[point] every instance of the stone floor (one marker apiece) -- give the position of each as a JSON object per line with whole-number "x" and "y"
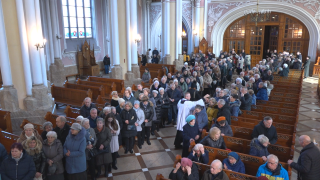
{"x": 147, "y": 162}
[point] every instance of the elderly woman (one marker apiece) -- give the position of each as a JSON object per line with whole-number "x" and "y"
{"x": 185, "y": 170}
{"x": 33, "y": 147}
{"x": 223, "y": 125}
{"x": 262, "y": 92}
{"x": 284, "y": 71}
{"x": 18, "y": 165}
{"x": 103, "y": 146}
{"x": 199, "y": 154}
{"x": 183, "y": 85}
{"x": 91, "y": 140}
{"x": 47, "y": 126}
{"x": 155, "y": 86}
{"x": 53, "y": 150}
{"x": 74, "y": 150}
{"x": 259, "y": 147}
{"x": 190, "y": 133}
{"x": 147, "y": 92}
{"x": 156, "y": 123}
{"x": 115, "y": 98}
{"x": 138, "y": 124}
{"x": 28, "y": 132}
{"x": 105, "y": 112}
{"x": 164, "y": 103}
{"x": 147, "y": 108}
{"x": 212, "y": 111}
{"x": 120, "y": 107}
{"x": 234, "y": 163}
{"x": 113, "y": 125}
{"x": 79, "y": 119}
{"x": 214, "y": 139}
{"x": 129, "y": 131}
{"x": 269, "y": 87}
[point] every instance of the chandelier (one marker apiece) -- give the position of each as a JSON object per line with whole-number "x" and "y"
{"x": 258, "y": 16}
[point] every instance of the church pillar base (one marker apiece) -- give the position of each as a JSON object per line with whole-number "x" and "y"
{"x": 130, "y": 76}
{"x": 57, "y": 73}
{"x": 136, "y": 71}
{"x": 9, "y": 99}
{"x": 167, "y": 59}
{"x": 179, "y": 63}
{"x": 116, "y": 72}
{"x": 42, "y": 97}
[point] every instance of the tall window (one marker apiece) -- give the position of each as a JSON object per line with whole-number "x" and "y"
{"x": 238, "y": 29}
{"x": 292, "y": 29}
{"x": 77, "y": 17}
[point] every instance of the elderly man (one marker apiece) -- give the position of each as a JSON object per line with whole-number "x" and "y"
{"x": 62, "y": 129}
{"x": 93, "y": 118}
{"x": 246, "y": 99}
{"x": 137, "y": 92}
{"x": 259, "y": 147}
{"x": 272, "y": 169}
{"x": 268, "y": 76}
{"x": 85, "y": 109}
{"x": 224, "y": 110}
{"x": 262, "y": 92}
{"x": 265, "y": 127}
{"x": 174, "y": 97}
{"x": 215, "y": 172}
{"x": 308, "y": 166}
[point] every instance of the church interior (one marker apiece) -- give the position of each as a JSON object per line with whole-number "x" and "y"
{"x": 53, "y": 56}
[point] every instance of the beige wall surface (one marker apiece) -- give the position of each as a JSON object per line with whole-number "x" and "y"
{"x": 172, "y": 19}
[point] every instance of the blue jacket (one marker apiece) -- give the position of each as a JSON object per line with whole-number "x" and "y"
{"x": 278, "y": 175}
{"x": 257, "y": 149}
{"x": 204, "y": 158}
{"x": 3, "y": 153}
{"x": 202, "y": 118}
{"x": 235, "y": 107}
{"x": 76, "y": 162}
{"x": 237, "y": 167}
{"x": 93, "y": 122}
{"x": 25, "y": 170}
{"x": 254, "y": 99}
{"x": 262, "y": 94}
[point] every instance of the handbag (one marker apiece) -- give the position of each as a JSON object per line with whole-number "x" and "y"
{"x": 94, "y": 151}
{"x": 131, "y": 127}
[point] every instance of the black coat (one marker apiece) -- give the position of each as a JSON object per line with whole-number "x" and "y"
{"x": 104, "y": 137}
{"x": 266, "y": 77}
{"x": 62, "y": 133}
{"x": 225, "y": 111}
{"x": 174, "y": 94}
{"x": 23, "y": 170}
{"x": 3, "y": 153}
{"x": 131, "y": 116}
{"x": 284, "y": 72}
{"x": 148, "y": 111}
{"x": 194, "y": 95}
{"x": 246, "y": 102}
{"x": 180, "y": 175}
{"x": 257, "y": 149}
{"x": 271, "y": 132}
{"x": 114, "y": 103}
{"x": 85, "y": 111}
{"x": 207, "y": 141}
{"x": 106, "y": 61}
{"x": 158, "y": 108}
{"x": 308, "y": 166}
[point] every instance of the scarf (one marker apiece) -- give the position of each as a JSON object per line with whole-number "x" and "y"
{"x": 17, "y": 159}
{"x": 116, "y": 99}
{"x": 276, "y": 171}
{"x": 99, "y": 129}
{"x": 29, "y": 136}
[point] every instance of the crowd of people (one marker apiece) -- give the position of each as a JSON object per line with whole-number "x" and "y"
{"x": 194, "y": 99}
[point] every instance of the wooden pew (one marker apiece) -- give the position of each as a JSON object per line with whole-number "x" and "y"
{"x": 37, "y": 127}
{"x": 154, "y": 73}
{"x": 108, "y": 87}
{"x": 283, "y": 99}
{"x": 5, "y": 121}
{"x": 96, "y": 91}
{"x": 286, "y": 95}
{"x": 171, "y": 68}
{"x": 102, "y": 100}
{"x": 285, "y": 90}
{"x": 274, "y": 110}
{"x": 52, "y": 118}
{"x": 119, "y": 83}
{"x": 7, "y": 139}
{"x": 68, "y": 96}
{"x": 277, "y": 104}
{"x": 275, "y": 117}
{"x": 72, "y": 112}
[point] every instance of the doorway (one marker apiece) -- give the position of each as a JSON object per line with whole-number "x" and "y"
{"x": 270, "y": 39}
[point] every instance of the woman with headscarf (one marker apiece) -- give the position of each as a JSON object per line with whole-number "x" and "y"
{"x": 190, "y": 133}
{"x": 186, "y": 170}
{"x": 214, "y": 139}
{"x": 234, "y": 163}
{"x": 28, "y": 132}
{"x": 47, "y": 126}
{"x": 155, "y": 86}
{"x": 114, "y": 127}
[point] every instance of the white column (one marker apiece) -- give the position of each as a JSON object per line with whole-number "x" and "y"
{"x": 114, "y": 32}
{"x": 128, "y": 30}
{"x": 197, "y": 23}
{"x": 55, "y": 29}
{"x": 33, "y": 39}
{"x": 178, "y": 28}
{"x": 134, "y": 31}
{"x": 24, "y": 47}
{"x": 205, "y": 16}
{"x": 50, "y": 32}
{"x": 4, "y": 55}
{"x": 148, "y": 25}
{"x": 166, "y": 26}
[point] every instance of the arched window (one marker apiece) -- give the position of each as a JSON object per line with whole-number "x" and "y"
{"x": 77, "y": 18}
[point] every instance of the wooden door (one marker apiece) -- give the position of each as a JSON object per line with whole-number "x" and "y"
{"x": 256, "y": 43}
{"x": 237, "y": 45}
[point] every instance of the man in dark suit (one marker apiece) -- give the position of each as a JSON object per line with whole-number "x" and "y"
{"x": 174, "y": 97}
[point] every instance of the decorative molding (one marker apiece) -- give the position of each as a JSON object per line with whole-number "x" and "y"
{"x": 155, "y": 12}
{"x": 313, "y": 5}
{"x": 187, "y": 12}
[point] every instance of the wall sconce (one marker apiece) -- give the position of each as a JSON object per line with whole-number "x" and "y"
{"x": 138, "y": 38}
{"x": 38, "y": 45}
{"x": 58, "y": 37}
{"x": 183, "y": 34}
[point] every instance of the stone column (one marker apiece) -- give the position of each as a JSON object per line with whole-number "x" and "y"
{"x": 8, "y": 94}
{"x": 166, "y": 31}
{"x": 148, "y": 25}
{"x": 205, "y": 16}
{"x": 178, "y": 28}
{"x": 116, "y": 70}
{"x": 134, "y": 32}
{"x": 129, "y": 74}
{"x": 197, "y": 23}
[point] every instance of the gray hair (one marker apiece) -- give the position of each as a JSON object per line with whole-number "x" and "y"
{"x": 257, "y": 75}
{"x": 87, "y": 98}
{"x": 222, "y": 101}
{"x": 263, "y": 139}
{"x": 62, "y": 118}
{"x": 47, "y": 124}
{"x": 239, "y": 80}
{"x": 218, "y": 89}
{"x": 107, "y": 109}
{"x": 219, "y": 162}
{"x": 252, "y": 79}
{"x": 197, "y": 147}
{"x": 93, "y": 110}
{"x": 267, "y": 118}
{"x": 272, "y": 156}
{"x": 233, "y": 85}
{"x": 84, "y": 120}
{"x": 262, "y": 84}
{"x": 100, "y": 119}
{"x": 112, "y": 108}
{"x": 52, "y": 134}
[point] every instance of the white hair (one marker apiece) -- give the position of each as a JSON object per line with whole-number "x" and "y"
{"x": 52, "y": 134}
{"x": 161, "y": 89}
{"x": 218, "y": 89}
{"x": 106, "y": 109}
{"x": 272, "y": 156}
{"x": 239, "y": 80}
{"x": 257, "y": 75}
{"x": 87, "y": 98}
{"x": 222, "y": 101}
{"x": 218, "y": 162}
{"x": 263, "y": 139}
{"x": 197, "y": 147}
{"x": 233, "y": 85}
{"x": 252, "y": 79}
{"x": 84, "y": 120}
{"x": 175, "y": 80}
{"x": 285, "y": 65}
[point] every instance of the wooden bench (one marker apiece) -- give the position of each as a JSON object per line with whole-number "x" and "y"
{"x": 283, "y": 99}
{"x": 7, "y": 139}
{"x": 101, "y": 100}
{"x": 37, "y": 127}
{"x": 96, "y": 91}
{"x": 275, "y": 117}
{"x": 285, "y": 90}
{"x": 68, "y": 96}
{"x": 274, "y": 110}
{"x": 5, "y": 121}
{"x": 277, "y": 104}
{"x": 154, "y": 73}
{"x": 286, "y": 95}
{"x": 52, "y": 118}
{"x": 119, "y": 83}
{"x": 72, "y": 112}
{"x": 171, "y": 68}
{"x": 71, "y": 75}
{"x": 108, "y": 87}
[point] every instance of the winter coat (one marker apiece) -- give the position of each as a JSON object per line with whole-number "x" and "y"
{"x": 114, "y": 102}
{"x": 132, "y": 99}
{"x": 93, "y": 122}
{"x": 154, "y": 88}
{"x": 180, "y": 175}
{"x": 148, "y": 113}
{"x": 184, "y": 87}
{"x": 85, "y": 111}
{"x": 189, "y": 132}
{"x": 164, "y": 102}
{"x": 90, "y": 136}
{"x": 24, "y": 169}
{"x": 267, "y": 77}
{"x": 297, "y": 65}
{"x": 207, "y": 80}
{"x": 76, "y": 144}
{"x": 157, "y": 107}
{"x": 146, "y": 77}
{"x": 3, "y": 153}
{"x": 308, "y": 163}
{"x": 226, "y": 129}
{"x": 114, "y": 144}
{"x": 174, "y": 94}
{"x": 235, "y": 107}
{"x": 104, "y": 137}
{"x": 257, "y": 149}
{"x": 271, "y": 132}
{"x": 119, "y": 109}
{"x": 202, "y": 118}
{"x": 207, "y": 141}
{"x": 237, "y": 167}
{"x": 284, "y": 72}
{"x": 62, "y": 133}
{"x": 194, "y": 95}
{"x": 279, "y": 174}
{"x": 106, "y": 60}
{"x": 23, "y": 137}
{"x": 212, "y": 113}
{"x": 54, "y": 152}
{"x": 136, "y": 94}
{"x": 153, "y": 103}
{"x": 225, "y": 111}
{"x": 262, "y": 94}
{"x": 203, "y": 158}
{"x": 140, "y": 118}
{"x": 163, "y": 85}
{"x": 37, "y": 155}
{"x": 207, "y": 175}
{"x": 131, "y": 116}
{"x": 306, "y": 65}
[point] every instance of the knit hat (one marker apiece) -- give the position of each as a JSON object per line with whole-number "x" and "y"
{"x": 234, "y": 155}
{"x": 121, "y": 100}
{"x": 28, "y": 126}
{"x": 155, "y": 91}
{"x": 76, "y": 126}
{"x": 186, "y": 162}
{"x": 190, "y": 118}
{"x": 136, "y": 102}
{"x": 221, "y": 118}
{"x": 262, "y": 178}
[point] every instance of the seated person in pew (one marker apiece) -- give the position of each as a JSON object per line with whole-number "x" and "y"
{"x": 272, "y": 169}
{"x": 28, "y": 131}
{"x": 190, "y": 133}
{"x": 93, "y": 117}
{"x": 266, "y": 128}
{"x": 215, "y": 172}
{"x": 259, "y": 147}
{"x": 47, "y": 126}
{"x": 223, "y": 125}
{"x": 146, "y": 76}
{"x": 284, "y": 72}
{"x": 234, "y": 163}
{"x": 234, "y": 105}
{"x": 199, "y": 154}
{"x": 262, "y": 92}
{"x": 186, "y": 170}
{"x": 246, "y": 99}
{"x": 85, "y": 109}
{"x": 254, "y": 98}
{"x": 214, "y": 139}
